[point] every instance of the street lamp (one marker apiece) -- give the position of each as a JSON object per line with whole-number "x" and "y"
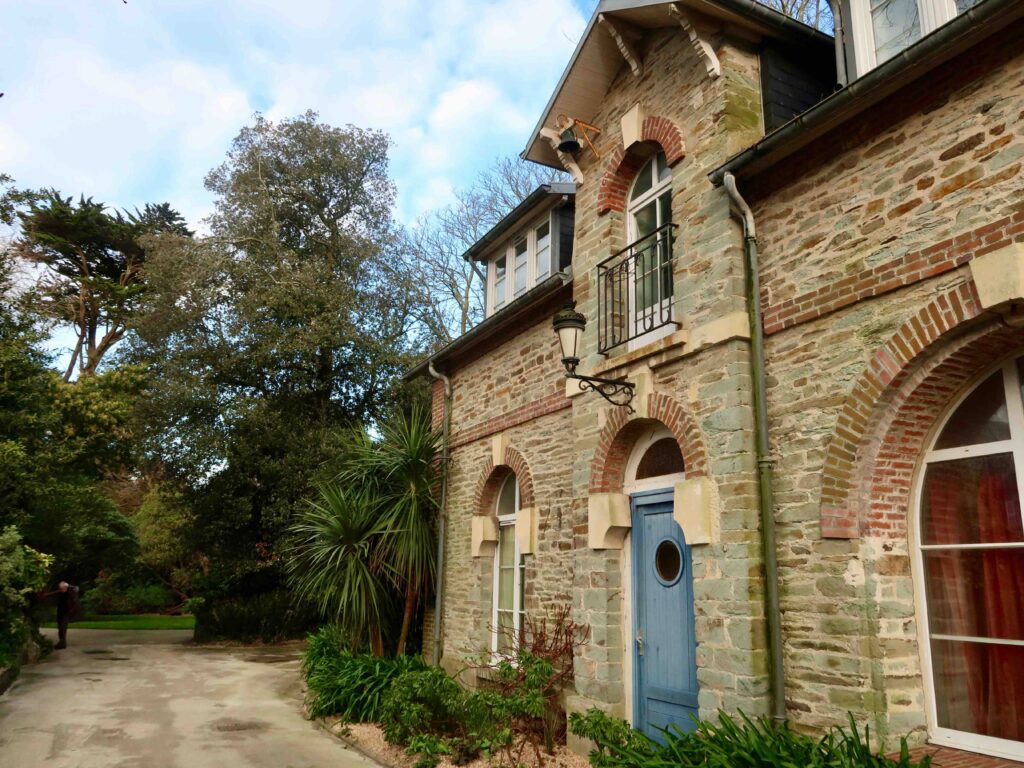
{"x": 569, "y": 326}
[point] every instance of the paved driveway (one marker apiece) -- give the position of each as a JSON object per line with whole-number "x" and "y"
{"x": 127, "y": 699}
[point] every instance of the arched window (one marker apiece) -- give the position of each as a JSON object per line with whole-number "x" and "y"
{"x": 970, "y": 560}
{"x": 656, "y": 461}
{"x": 648, "y": 220}
{"x": 509, "y": 571}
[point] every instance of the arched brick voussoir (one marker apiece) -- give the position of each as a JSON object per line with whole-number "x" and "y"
{"x": 493, "y": 476}
{"x": 624, "y": 162}
{"x": 607, "y": 472}
{"x": 885, "y": 371}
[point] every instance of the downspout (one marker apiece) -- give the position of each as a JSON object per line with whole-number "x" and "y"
{"x": 442, "y": 518}
{"x": 839, "y": 35}
{"x": 765, "y": 469}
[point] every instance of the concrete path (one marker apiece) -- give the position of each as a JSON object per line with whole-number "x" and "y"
{"x": 120, "y": 699}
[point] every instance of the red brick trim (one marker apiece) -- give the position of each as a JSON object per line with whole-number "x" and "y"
{"x": 626, "y": 161}
{"x": 492, "y": 477}
{"x": 607, "y": 473}
{"x": 542, "y": 407}
{"x": 886, "y": 369}
{"x": 894, "y": 274}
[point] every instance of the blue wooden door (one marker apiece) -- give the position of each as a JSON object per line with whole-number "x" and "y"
{"x": 664, "y": 646}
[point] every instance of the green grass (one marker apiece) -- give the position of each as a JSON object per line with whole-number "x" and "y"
{"x": 131, "y": 621}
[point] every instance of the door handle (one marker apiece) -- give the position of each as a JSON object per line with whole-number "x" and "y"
{"x": 639, "y": 643}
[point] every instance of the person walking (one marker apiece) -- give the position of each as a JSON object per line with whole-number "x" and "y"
{"x": 67, "y": 601}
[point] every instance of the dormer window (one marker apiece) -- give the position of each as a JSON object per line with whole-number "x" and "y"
{"x": 529, "y": 255}
{"x": 884, "y": 28}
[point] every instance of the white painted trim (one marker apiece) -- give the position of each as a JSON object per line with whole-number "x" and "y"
{"x": 658, "y": 188}
{"x": 630, "y": 484}
{"x": 508, "y": 522}
{"x": 508, "y": 252}
{"x": 932, "y": 14}
{"x": 626, "y": 562}
{"x": 973, "y": 639}
{"x": 1015, "y": 410}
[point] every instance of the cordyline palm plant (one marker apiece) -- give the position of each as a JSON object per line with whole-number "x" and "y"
{"x": 402, "y": 472}
{"x": 337, "y": 562}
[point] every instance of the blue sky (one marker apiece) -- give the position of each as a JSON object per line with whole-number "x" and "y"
{"x": 134, "y": 102}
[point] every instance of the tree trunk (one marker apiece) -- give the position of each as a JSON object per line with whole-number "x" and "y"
{"x": 376, "y": 641}
{"x": 410, "y": 605}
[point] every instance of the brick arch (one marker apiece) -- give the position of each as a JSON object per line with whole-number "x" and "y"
{"x": 607, "y": 473}
{"x": 493, "y": 476}
{"x": 874, "y": 396}
{"x": 624, "y": 162}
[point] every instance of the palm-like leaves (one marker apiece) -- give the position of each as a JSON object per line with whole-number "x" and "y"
{"x": 336, "y": 560}
{"x": 403, "y": 472}
{"x": 372, "y": 533}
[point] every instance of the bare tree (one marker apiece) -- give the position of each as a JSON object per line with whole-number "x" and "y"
{"x": 452, "y": 295}
{"x": 814, "y": 13}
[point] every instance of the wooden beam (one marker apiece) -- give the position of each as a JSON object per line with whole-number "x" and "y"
{"x": 624, "y": 35}
{"x": 700, "y": 45}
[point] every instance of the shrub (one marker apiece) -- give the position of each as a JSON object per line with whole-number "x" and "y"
{"x": 352, "y": 686}
{"x": 113, "y": 595}
{"x": 428, "y": 701}
{"x": 728, "y": 744}
{"x": 22, "y": 572}
{"x": 269, "y": 617}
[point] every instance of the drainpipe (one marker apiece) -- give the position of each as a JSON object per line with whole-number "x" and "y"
{"x": 839, "y": 35}
{"x": 765, "y": 471}
{"x": 442, "y": 518}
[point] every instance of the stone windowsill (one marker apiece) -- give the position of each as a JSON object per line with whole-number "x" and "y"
{"x": 668, "y": 347}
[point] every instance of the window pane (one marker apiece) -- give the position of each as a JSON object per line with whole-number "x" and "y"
{"x": 499, "y": 282}
{"x": 521, "y": 265}
{"x": 665, "y": 244}
{"x": 507, "y": 497}
{"x": 505, "y": 632}
{"x": 896, "y": 24}
{"x": 661, "y": 163}
{"x": 981, "y": 418}
{"x": 644, "y": 180}
{"x": 965, "y": 5}
{"x": 979, "y": 687}
{"x": 971, "y": 501}
{"x": 662, "y": 458}
{"x": 543, "y": 251}
{"x": 975, "y": 592}
{"x": 506, "y": 547}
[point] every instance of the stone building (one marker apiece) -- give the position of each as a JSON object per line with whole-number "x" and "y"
{"x": 810, "y": 505}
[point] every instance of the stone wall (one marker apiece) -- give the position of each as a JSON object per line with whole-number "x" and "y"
{"x": 863, "y": 240}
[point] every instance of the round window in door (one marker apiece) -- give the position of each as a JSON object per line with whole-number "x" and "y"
{"x": 668, "y": 562}
{"x": 970, "y": 542}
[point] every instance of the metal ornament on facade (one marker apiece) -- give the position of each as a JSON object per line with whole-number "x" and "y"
{"x": 569, "y": 326}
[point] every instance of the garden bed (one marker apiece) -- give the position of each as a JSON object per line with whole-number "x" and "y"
{"x": 368, "y": 738}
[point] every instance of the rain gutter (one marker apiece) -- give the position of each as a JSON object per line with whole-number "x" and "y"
{"x": 939, "y": 46}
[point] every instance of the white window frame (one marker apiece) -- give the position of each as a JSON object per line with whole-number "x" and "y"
{"x": 530, "y": 232}
{"x": 632, "y": 206}
{"x": 507, "y": 522}
{"x": 1015, "y": 409}
{"x": 644, "y": 442}
{"x": 931, "y": 13}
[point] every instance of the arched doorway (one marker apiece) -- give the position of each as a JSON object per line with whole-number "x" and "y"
{"x": 969, "y": 567}
{"x": 659, "y": 568}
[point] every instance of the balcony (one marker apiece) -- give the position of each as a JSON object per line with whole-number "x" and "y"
{"x": 634, "y": 291}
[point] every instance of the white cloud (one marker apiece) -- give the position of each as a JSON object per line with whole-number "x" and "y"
{"x": 135, "y": 103}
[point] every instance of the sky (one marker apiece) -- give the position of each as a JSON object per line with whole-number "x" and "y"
{"x": 134, "y": 102}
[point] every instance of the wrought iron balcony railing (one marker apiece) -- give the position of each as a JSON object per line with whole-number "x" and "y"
{"x": 634, "y": 290}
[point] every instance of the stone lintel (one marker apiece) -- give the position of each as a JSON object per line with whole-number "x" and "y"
{"x": 499, "y": 443}
{"x": 484, "y": 535}
{"x": 696, "y": 508}
{"x": 999, "y": 276}
{"x": 608, "y": 520}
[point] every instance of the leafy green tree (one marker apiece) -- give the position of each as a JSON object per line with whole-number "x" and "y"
{"x": 91, "y": 261}
{"x": 290, "y": 320}
{"x": 23, "y": 571}
{"x": 162, "y": 525}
